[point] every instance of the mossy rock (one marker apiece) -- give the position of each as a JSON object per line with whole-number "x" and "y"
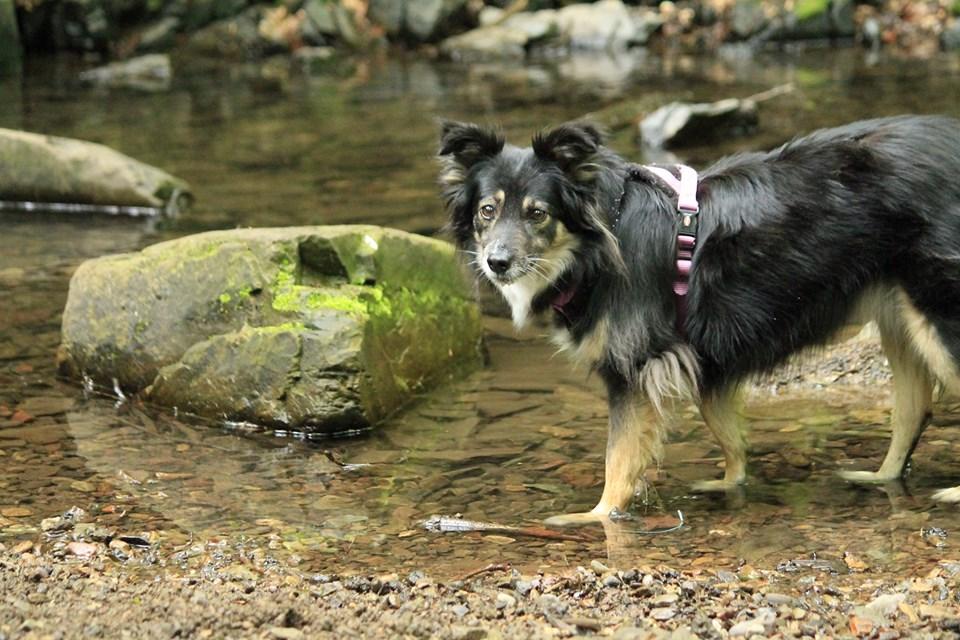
{"x": 322, "y": 329}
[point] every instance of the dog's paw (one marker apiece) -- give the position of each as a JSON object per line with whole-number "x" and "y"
{"x": 948, "y": 495}
{"x": 866, "y": 477}
{"x": 717, "y": 486}
{"x": 571, "y": 519}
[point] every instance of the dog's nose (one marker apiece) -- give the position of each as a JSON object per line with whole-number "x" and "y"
{"x": 498, "y": 262}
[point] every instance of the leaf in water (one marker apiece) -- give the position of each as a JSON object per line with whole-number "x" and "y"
{"x": 854, "y": 563}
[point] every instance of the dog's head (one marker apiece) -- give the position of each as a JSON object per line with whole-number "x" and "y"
{"x": 522, "y": 214}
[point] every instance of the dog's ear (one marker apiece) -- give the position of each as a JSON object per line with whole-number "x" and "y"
{"x": 461, "y": 147}
{"x": 572, "y": 146}
{"x": 469, "y": 143}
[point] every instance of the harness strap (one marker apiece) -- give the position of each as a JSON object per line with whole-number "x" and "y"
{"x": 688, "y": 209}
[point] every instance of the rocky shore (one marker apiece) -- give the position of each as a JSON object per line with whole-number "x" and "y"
{"x": 233, "y": 594}
{"x": 467, "y": 30}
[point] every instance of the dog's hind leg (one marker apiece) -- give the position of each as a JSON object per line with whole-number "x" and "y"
{"x": 912, "y": 399}
{"x": 634, "y": 440}
{"x": 720, "y": 410}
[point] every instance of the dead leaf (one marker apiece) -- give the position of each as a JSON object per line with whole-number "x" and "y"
{"x": 854, "y": 563}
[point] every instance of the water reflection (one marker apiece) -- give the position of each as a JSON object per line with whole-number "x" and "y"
{"x": 508, "y": 445}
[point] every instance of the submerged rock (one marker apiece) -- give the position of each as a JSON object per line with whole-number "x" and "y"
{"x": 680, "y": 123}
{"x": 39, "y": 168}
{"x": 151, "y": 72}
{"x": 311, "y": 328}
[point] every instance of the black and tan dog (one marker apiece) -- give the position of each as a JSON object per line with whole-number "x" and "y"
{"x": 844, "y": 225}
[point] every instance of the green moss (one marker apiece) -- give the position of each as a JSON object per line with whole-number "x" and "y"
{"x": 809, "y": 8}
{"x": 321, "y": 300}
{"x": 225, "y": 298}
{"x": 295, "y": 298}
{"x": 409, "y": 334}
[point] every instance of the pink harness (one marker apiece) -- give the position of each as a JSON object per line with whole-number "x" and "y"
{"x": 688, "y": 208}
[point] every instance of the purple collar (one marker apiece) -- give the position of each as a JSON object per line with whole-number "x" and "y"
{"x": 562, "y": 300}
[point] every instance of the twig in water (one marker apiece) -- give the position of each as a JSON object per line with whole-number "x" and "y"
{"x": 448, "y": 524}
{"x": 490, "y": 568}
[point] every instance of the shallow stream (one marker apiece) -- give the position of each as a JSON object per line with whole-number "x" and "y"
{"x": 515, "y": 443}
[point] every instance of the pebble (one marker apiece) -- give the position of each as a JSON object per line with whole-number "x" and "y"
{"x": 612, "y": 581}
{"x": 665, "y": 599}
{"x": 551, "y": 604}
{"x": 777, "y": 599}
{"x": 598, "y": 567}
{"x": 524, "y": 587}
{"x": 505, "y": 600}
{"x": 286, "y": 633}
{"x": 459, "y": 632}
{"x": 664, "y": 613}
{"x": 747, "y": 628}
{"x": 82, "y": 549}
{"x": 460, "y": 610}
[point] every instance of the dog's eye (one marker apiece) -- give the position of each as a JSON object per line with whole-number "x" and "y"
{"x": 487, "y": 211}
{"x": 536, "y": 215}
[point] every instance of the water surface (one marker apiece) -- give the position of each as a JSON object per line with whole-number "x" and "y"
{"x": 515, "y": 443}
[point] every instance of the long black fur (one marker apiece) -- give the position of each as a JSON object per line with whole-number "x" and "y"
{"x": 789, "y": 239}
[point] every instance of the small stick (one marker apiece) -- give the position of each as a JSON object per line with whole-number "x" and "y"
{"x": 772, "y": 93}
{"x": 490, "y": 568}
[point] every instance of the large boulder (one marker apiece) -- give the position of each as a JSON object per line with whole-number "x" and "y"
{"x": 39, "y": 168}
{"x": 321, "y": 329}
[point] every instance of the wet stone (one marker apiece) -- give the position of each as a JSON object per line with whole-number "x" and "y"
{"x": 46, "y": 406}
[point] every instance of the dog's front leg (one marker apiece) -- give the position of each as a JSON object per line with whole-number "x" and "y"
{"x": 634, "y": 440}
